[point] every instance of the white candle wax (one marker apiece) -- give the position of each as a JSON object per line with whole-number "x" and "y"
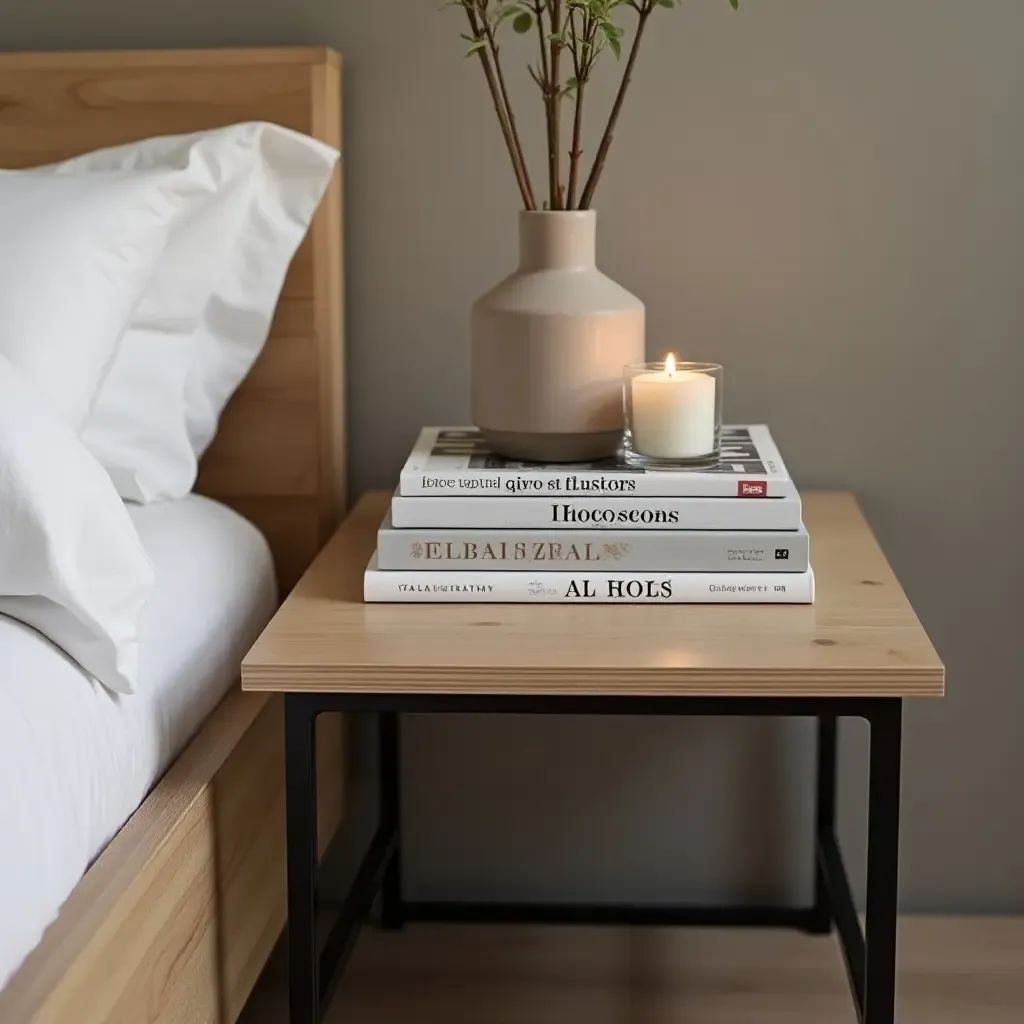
{"x": 674, "y": 414}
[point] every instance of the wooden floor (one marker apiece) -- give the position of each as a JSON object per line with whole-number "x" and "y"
{"x": 952, "y": 971}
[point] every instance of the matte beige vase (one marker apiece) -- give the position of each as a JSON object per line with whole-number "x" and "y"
{"x": 549, "y": 344}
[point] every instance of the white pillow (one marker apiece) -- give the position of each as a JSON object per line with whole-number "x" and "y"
{"x": 251, "y": 190}
{"x": 71, "y": 563}
{"x": 75, "y": 255}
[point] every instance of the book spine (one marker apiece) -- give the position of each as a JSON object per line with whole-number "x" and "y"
{"x": 509, "y": 483}
{"x": 589, "y": 588}
{"x": 592, "y": 550}
{"x": 595, "y": 513}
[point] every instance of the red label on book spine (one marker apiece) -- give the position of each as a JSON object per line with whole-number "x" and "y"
{"x": 752, "y": 489}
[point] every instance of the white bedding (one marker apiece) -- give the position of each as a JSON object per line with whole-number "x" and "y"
{"x": 77, "y": 760}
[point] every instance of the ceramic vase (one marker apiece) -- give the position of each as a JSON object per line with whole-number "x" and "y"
{"x": 549, "y": 344}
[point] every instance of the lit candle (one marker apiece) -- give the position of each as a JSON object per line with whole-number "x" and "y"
{"x": 673, "y": 413}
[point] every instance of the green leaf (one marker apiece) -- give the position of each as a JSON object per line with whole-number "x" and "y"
{"x": 735, "y": 4}
{"x": 506, "y": 12}
{"x": 673, "y": 3}
{"x": 614, "y": 36}
{"x": 475, "y": 47}
{"x": 523, "y": 22}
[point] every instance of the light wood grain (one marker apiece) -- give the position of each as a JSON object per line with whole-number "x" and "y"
{"x": 279, "y": 451}
{"x": 952, "y": 971}
{"x": 174, "y": 921}
{"x": 110, "y": 60}
{"x": 328, "y": 314}
{"x": 860, "y": 638}
{"x": 177, "y": 917}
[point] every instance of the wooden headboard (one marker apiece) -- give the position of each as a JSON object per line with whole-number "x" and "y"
{"x": 279, "y": 454}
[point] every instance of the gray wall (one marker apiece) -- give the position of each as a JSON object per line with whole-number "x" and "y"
{"x": 826, "y": 196}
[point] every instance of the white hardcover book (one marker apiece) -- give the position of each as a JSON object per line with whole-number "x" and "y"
{"x": 584, "y": 550}
{"x": 456, "y": 461}
{"x": 588, "y": 587}
{"x": 595, "y": 513}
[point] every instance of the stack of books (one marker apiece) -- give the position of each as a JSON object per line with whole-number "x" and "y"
{"x": 469, "y": 526}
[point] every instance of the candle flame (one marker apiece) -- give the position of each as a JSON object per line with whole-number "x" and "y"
{"x": 670, "y": 364}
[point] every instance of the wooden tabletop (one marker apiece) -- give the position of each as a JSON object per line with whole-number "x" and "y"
{"x": 861, "y": 638}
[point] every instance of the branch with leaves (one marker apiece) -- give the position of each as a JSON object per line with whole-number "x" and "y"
{"x": 581, "y": 31}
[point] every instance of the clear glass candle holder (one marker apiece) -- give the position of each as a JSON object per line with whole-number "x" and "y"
{"x": 673, "y": 413}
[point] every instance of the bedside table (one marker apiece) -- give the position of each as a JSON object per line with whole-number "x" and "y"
{"x": 858, "y": 652}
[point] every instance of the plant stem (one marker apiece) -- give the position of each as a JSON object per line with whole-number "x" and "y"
{"x": 503, "y": 117}
{"x": 606, "y": 140}
{"x": 545, "y": 83}
{"x": 538, "y": 12}
{"x": 555, "y": 108}
{"x": 528, "y": 197}
{"x": 576, "y": 153}
{"x": 581, "y": 49}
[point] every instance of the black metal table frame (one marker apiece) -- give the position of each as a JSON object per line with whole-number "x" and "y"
{"x": 870, "y": 955}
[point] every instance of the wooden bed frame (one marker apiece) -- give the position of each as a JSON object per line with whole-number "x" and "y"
{"x": 175, "y": 920}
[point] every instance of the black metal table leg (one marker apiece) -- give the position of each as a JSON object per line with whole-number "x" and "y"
{"x": 871, "y": 964}
{"x": 303, "y": 862}
{"x": 392, "y": 916}
{"x": 825, "y": 821}
{"x": 883, "y": 862}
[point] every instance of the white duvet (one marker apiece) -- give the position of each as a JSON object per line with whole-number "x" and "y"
{"x": 75, "y": 759}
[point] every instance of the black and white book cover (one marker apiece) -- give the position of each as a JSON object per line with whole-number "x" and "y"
{"x": 456, "y": 462}
{"x": 588, "y": 587}
{"x": 570, "y": 512}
